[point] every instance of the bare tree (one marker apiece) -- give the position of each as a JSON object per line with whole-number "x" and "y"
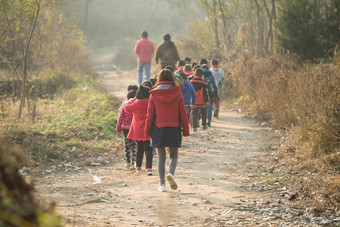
{"x": 25, "y": 55}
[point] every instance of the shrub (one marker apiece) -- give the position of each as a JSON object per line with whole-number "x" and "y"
{"x": 17, "y": 204}
{"x": 78, "y": 117}
{"x": 293, "y": 94}
{"x": 304, "y": 100}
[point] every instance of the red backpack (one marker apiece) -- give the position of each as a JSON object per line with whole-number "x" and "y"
{"x": 200, "y": 97}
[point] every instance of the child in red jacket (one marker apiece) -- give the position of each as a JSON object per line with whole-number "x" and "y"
{"x": 139, "y": 110}
{"x": 166, "y": 115}
{"x": 124, "y": 124}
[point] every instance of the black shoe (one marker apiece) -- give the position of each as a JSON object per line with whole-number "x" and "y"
{"x": 209, "y": 124}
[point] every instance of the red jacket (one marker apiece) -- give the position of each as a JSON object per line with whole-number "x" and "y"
{"x": 139, "y": 109}
{"x": 168, "y": 106}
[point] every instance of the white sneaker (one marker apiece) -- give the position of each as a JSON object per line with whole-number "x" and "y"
{"x": 172, "y": 182}
{"x": 162, "y": 188}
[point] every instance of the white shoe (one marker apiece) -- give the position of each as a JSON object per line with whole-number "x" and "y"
{"x": 172, "y": 182}
{"x": 162, "y": 188}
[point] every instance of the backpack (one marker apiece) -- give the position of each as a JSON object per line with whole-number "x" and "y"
{"x": 200, "y": 97}
{"x": 210, "y": 86}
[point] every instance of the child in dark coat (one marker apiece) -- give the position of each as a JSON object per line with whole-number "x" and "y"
{"x": 202, "y": 100}
{"x": 212, "y": 90}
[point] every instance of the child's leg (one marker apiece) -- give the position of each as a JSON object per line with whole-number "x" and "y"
{"x": 173, "y": 160}
{"x": 127, "y": 146}
{"x": 187, "y": 109}
{"x": 194, "y": 117}
{"x": 140, "y": 153}
{"x": 133, "y": 151}
{"x": 148, "y": 154}
{"x": 204, "y": 116}
{"x": 217, "y": 104}
{"x": 209, "y": 112}
{"x": 161, "y": 164}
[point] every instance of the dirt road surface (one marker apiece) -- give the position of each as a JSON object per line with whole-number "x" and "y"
{"x": 213, "y": 165}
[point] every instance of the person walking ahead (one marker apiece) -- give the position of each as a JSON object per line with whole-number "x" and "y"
{"x": 167, "y": 52}
{"x": 139, "y": 110}
{"x": 144, "y": 49}
{"x": 165, "y": 117}
{"x": 202, "y": 100}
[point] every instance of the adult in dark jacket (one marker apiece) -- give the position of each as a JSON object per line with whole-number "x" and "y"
{"x": 167, "y": 52}
{"x": 165, "y": 117}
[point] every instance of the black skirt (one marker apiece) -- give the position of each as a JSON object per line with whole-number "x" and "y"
{"x": 166, "y": 136}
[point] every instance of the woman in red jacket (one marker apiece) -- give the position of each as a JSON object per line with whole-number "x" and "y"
{"x": 165, "y": 118}
{"x": 139, "y": 110}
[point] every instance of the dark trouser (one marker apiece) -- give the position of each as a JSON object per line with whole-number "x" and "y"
{"x": 217, "y": 105}
{"x": 161, "y": 162}
{"x": 141, "y": 147}
{"x": 209, "y": 111}
{"x": 188, "y": 109}
{"x": 130, "y": 148}
{"x": 194, "y": 115}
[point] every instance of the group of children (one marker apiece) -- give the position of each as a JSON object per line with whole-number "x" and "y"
{"x": 156, "y": 113}
{"x": 204, "y": 84}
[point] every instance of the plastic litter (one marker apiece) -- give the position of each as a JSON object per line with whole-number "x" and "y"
{"x": 97, "y": 180}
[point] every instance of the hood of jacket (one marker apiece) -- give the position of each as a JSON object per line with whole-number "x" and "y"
{"x": 206, "y": 72}
{"x": 168, "y": 44}
{"x": 166, "y": 96}
{"x": 186, "y": 87}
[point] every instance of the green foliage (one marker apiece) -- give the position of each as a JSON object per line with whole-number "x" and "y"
{"x": 309, "y": 28}
{"x": 82, "y": 116}
{"x": 56, "y": 44}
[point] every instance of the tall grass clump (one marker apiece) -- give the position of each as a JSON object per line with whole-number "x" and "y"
{"x": 81, "y": 116}
{"x": 303, "y": 100}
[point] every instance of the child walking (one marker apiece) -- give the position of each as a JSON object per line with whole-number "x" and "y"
{"x": 165, "y": 118}
{"x": 219, "y": 77}
{"x": 123, "y": 125}
{"x": 130, "y": 87}
{"x": 212, "y": 91}
{"x": 189, "y": 94}
{"x": 139, "y": 110}
{"x": 202, "y": 100}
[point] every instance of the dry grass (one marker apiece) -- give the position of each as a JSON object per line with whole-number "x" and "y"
{"x": 304, "y": 101}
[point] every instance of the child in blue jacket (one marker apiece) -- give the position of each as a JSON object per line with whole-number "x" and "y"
{"x": 189, "y": 94}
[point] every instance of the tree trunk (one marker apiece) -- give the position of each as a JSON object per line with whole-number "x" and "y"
{"x": 225, "y": 29}
{"x": 24, "y": 70}
{"x": 217, "y": 40}
{"x": 86, "y": 17}
{"x": 259, "y": 30}
{"x": 269, "y": 39}
{"x": 14, "y": 48}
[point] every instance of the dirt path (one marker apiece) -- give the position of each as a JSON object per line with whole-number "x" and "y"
{"x": 213, "y": 164}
